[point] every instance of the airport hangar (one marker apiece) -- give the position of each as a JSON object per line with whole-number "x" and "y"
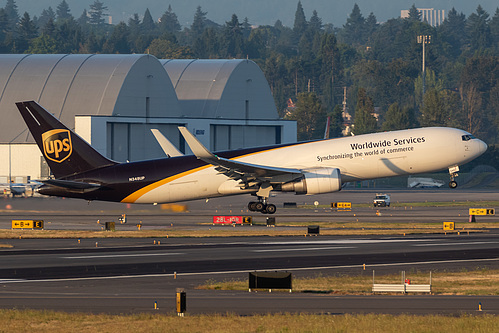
{"x": 113, "y": 101}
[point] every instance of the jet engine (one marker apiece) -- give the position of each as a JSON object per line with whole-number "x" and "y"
{"x": 315, "y": 181}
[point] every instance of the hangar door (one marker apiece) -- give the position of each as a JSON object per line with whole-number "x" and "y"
{"x": 135, "y": 142}
{"x": 228, "y": 137}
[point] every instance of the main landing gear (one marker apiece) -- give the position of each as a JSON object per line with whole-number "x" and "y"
{"x": 453, "y": 172}
{"x": 262, "y": 206}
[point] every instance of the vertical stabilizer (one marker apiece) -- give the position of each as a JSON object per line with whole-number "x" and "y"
{"x": 66, "y": 152}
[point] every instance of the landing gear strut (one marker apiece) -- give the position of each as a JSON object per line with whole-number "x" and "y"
{"x": 453, "y": 172}
{"x": 262, "y": 206}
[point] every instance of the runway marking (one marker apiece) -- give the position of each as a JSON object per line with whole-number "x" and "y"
{"x": 305, "y": 249}
{"x": 247, "y": 271}
{"x": 448, "y": 244}
{"x": 347, "y": 241}
{"x": 11, "y": 280}
{"x": 123, "y": 255}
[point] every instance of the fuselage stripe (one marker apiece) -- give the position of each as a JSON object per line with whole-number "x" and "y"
{"x": 137, "y": 194}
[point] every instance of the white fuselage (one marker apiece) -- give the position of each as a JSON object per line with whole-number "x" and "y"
{"x": 359, "y": 157}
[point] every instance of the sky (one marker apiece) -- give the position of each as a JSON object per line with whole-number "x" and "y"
{"x": 259, "y": 12}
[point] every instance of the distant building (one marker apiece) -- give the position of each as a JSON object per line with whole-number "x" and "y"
{"x": 113, "y": 101}
{"x": 434, "y": 17}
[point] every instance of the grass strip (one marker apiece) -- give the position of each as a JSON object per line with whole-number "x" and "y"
{"x": 55, "y": 322}
{"x": 470, "y": 204}
{"x": 289, "y": 229}
{"x": 475, "y": 282}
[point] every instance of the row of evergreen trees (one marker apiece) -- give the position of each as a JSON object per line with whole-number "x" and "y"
{"x": 377, "y": 66}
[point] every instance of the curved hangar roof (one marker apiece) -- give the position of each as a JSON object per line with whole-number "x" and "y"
{"x": 230, "y": 89}
{"x": 83, "y": 84}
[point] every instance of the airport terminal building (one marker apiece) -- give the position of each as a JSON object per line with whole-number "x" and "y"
{"x": 113, "y": 101}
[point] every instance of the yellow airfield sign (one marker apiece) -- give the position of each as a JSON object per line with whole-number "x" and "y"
{"x": 343, "y": 205}
{"x": 448, "y": 225}
{"x": 27, "y": 224}
{"x": 482, "y": 211}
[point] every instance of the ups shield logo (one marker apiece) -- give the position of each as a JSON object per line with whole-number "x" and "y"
{"x": 57, "y": 145}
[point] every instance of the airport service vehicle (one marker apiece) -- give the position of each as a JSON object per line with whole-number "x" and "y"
{"x": 381, "y": 200}
{"x": 303, "y": 168}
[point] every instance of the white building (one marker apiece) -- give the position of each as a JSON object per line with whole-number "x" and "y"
{"x": 434, "y": 17}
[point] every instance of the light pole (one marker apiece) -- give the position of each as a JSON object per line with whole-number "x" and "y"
{"x": 424, "y": 39}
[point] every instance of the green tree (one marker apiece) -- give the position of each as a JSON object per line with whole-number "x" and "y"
{"x": 69, "y": 37}
{"x": 246, "y": 28}
{"x": 300, "y": 24}
{"x": 330, "y": 69}
{"x": 169, "y": 49}
{"x": 83, "y": 19}
{"x": 315, "y": 22}
{"x": 118, "y": 41}
{"x": 169, "y": 22}
{"x": 208, "y": 45}
{"x": 336, "y": 124}
{"x": 43, "y": 44}
{"x": 397, "y": 118}
{"x": 134, "y": 25}
{"x": 370, "y": 26}
{"x": 97, "y": 13}
{"x": 49, "y": 29}
{"x": 45, "y": 16}
{"x": 4, "y": 29}
{"x": 12, "y": 14}
{"x": 198, "y": 23}
{"x": 433, "y": 112}
{"x": 494, "y": 29}
{"x": 232, "y": 38}
{"x": 148, "y": 26}
{"x": 431, "y": 82}
{"x": 452, "y": 31}
{"x": 354, "y": 28}
{"x": 310, "y": 116}
{"x": 92, "y": 44}
{"x": 364, "y": 120}
{"x": 478, "y": 30}
{"x": 63, "y": 12}
{"x": 27, "y": 30}
{"x": 414, "y": 14}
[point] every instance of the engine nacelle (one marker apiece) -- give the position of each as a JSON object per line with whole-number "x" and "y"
{"x": 315, "y": 181}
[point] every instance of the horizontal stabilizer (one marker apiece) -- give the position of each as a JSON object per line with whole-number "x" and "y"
{"x": 69, "y": 184}
{"x": 169, "y": 149}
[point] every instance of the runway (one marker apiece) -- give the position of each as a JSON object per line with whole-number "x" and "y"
{"x": 193, "y": 255}
{"x": 129, "y": 275}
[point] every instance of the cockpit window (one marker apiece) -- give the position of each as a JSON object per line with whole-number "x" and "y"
{"x": 467, "y": 137}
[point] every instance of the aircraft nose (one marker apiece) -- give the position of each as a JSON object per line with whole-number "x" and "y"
{"x": 482, "y": 147}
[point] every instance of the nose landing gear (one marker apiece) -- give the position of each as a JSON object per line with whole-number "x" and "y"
{"x": 453, "y": 172}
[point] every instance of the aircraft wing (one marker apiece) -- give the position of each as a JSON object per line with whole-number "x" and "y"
{"x": 238, "y": 170}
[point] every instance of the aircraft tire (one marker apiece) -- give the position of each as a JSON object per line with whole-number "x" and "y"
{"x": 452, "y": 184}
{"x": 252, "y": 206}
{"x": 270, "y": 209}
{"x": 259, "y": 206}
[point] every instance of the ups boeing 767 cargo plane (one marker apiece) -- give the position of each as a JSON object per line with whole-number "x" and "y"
{"x": 304, "y": 167}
